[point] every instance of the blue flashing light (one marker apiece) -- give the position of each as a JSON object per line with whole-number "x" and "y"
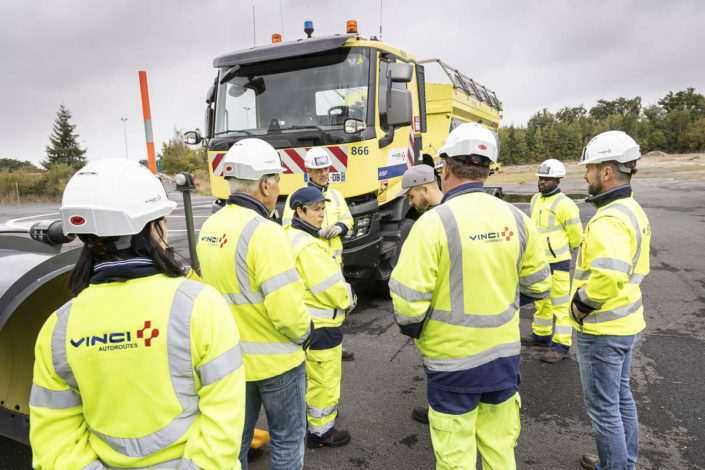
{"x": 308, "y": 24}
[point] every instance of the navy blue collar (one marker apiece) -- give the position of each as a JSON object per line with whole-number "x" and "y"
{"x": 551, "y": 193}
{"x": 248, "y": 202}
{"x": 322, "y": 189}
{"x": 463, "y": 189}
{"x": 611, "y": 195}
{"x": 123, "y": 270}
{"x": 304, "y": 226}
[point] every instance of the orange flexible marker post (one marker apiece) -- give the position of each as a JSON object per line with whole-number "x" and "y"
{"x": 147, "y": 122}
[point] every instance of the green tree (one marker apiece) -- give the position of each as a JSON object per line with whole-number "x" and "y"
{"x": 176, "y": 156}
{"x": 10, "y": 164}
{"x": 63, "y": 145}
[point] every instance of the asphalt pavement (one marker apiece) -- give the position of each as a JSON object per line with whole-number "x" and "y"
{"x": 386, "y": 380}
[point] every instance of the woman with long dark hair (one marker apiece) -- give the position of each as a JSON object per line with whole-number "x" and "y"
{"x": 142, "y": 368}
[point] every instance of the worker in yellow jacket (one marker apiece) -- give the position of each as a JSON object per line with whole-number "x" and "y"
{"x": 247, "y": 258}
{"x": 557, "y": 218}
{"x": 606, "y": 306}
{"x": 142, "y": 368}
{"x": 456, "y": 290}
{"x": 327, "y": 297}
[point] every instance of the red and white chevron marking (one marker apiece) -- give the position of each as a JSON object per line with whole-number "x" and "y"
{"x": 293, "y": 159}
{"x": 410, "y": 150}
{"x": 217, "y": 163}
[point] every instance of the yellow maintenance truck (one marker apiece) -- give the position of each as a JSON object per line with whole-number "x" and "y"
{"x": 366, "y": 103}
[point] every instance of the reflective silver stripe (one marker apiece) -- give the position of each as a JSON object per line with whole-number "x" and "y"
{"x": 636, "y": 278}
{"x": 296, "y": 238}
{"x": 560, "y": 300}
{"x": 531, "y": 279}
{"x": 612, "y": 264}
{"x": 451, "y": 364}
{"x": 268, "y": 348}
{"x": 242, "y": 272}
{"x": 574, "y": 221}
{"x": 95, "y": 465}
{"x": 220, "y": 367}
{"x": 244, "y": 298}
{"x": 337, "y": 252}
{"x": 320, "y": 413}
{"x": 558, "y": 251}
{"x": 543, "y": 321}
{"x": 332, "y": 280}
{"x": 320, "y": 430}
{"x": 321, "y": 312}
{"x": 552, "y": 228}
{"x": 533, "y": 204}
{"x": 407, "y": 320}
{"x": 582, "y": 293}
{"x": 455, "y": 256}
{"x": 614, "y": 314}
{"x": 347, "y": 215}
{"x": 279, "y": 281}
{"x": 552, "y": 209}
{"x": 476, "y": 321}
{"x": 521, "y": 229}
{"x": 58, "y": 347}
{"x": 637, "y": 230}
{"x": 169, "y": 464}
{"x": 407, "y": 293}
{"x": 53, "y": 399}
{"x": 563, "y": 330}
{"x": 286, "y": 221}
{"x": 300, "y": 340}
{"x": 334, "y": 193}
{"x": 581, "y": 274}
{"x": 178, "y": 346}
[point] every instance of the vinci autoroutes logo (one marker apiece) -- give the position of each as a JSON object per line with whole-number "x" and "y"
{"x": 490, "y": 237}
{"x": 119, "y": 339}
{"x": 214, "y": 241}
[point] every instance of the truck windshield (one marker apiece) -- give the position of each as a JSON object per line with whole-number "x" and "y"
{"x": 311, "y": 92}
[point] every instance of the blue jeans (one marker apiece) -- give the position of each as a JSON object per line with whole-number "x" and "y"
{"x": 284, "y": 400}
{"x": 604, "y": 371}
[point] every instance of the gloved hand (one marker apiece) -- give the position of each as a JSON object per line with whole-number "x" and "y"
{"x": 353, "y": 301}
{"x": 330, "y": 232}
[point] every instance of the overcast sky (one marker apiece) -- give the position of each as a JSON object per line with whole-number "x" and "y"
{"x": 534, "y": 54}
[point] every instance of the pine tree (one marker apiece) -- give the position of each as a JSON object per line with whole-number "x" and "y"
{"x": 63, "y": 145}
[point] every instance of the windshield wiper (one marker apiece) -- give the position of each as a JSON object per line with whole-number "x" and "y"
{"x": 234, "y": 130}
{"x": 325, "y": 135}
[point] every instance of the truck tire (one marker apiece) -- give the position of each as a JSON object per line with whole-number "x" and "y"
{"x": 403, "y": 232}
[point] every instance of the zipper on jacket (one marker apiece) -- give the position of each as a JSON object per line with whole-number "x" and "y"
{"x": 548, "y": 240}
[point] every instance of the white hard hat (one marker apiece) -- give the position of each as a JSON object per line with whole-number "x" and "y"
{"x": 317, "y": 157}
{"x": 551, "y": 168}
{"x": 112, "y": 198}
{"x": 471, "y": 138}
{"x": 251, "y": 159}
{"x": 611, "y": 146}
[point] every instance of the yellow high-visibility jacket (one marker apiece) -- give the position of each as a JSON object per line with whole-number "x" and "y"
{"x": 138, "y": 373}
{"x": 457, "y": 285}
{"x": 327, "y": 294}
{"x": 337, "y": 212}
{"x": 557, "y": 218}
{"x": 247, "y": 258}
{"x": 612, "y": 262}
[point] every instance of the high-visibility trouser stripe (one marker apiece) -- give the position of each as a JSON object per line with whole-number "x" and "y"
{"x": 178, "y": 348}
{"x": 563, "y": 330}
{"x": 186, "y": 464}
{"x": 327, "y": 283}
{"x": 611, "y": 264}
{"x": 543, "y": 321}
{"x": 584, "y": 275}
{"x": 54, "y": 399}
{"x": 278, "y": 281}
{"x": 242, "y": 272}
{"x": 564, "y": 299}
{"x": 451, "y": 364}
{"x": 321, "y": 312}
{"x": 574, "y": 221}
{"x": 407, "y": 293}
{"x": 220, "y": 367}
{"x": 582, "y": 294}
{"x": 320, "y": 413}
{"x": 558, "y": 251}
{"x": 320, "y": 430}
{"x": 244, "y": 298}
{"x": 614, "y": 314}
{"x": 249, "y": 347}
{"x": 476, "y": 321}
{"x": 95, "y": 465}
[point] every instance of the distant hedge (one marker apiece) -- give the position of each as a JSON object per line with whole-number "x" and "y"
{"x": 34, "y": 186}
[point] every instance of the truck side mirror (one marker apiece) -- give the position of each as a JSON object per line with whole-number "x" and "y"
{"x": 192, "y": 138}
{"x": 399, "y": 107}
{"x": 400, "y": 72}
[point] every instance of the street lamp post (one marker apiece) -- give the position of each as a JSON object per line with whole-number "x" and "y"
{"x": 124, "y": 128}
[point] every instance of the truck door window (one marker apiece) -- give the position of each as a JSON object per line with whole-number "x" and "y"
{"x": 382, "y": 93}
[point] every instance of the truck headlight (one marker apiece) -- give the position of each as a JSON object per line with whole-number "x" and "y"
{"x": 361, "y": 226}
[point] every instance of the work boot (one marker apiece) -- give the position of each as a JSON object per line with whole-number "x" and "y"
{"x": 531, "y": 341}
{"x": 553, "y": 356}
{"x": 420, "y": 414}
{"x": 336, "y": 439}
{"x": 589, "y": 461}
{"x": 348, "y": 356}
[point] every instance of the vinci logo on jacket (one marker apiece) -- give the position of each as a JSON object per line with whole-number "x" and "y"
{"x": 119, "y": 339}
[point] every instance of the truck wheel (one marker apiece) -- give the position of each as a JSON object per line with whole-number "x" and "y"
{"x": 403, "y": 232}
